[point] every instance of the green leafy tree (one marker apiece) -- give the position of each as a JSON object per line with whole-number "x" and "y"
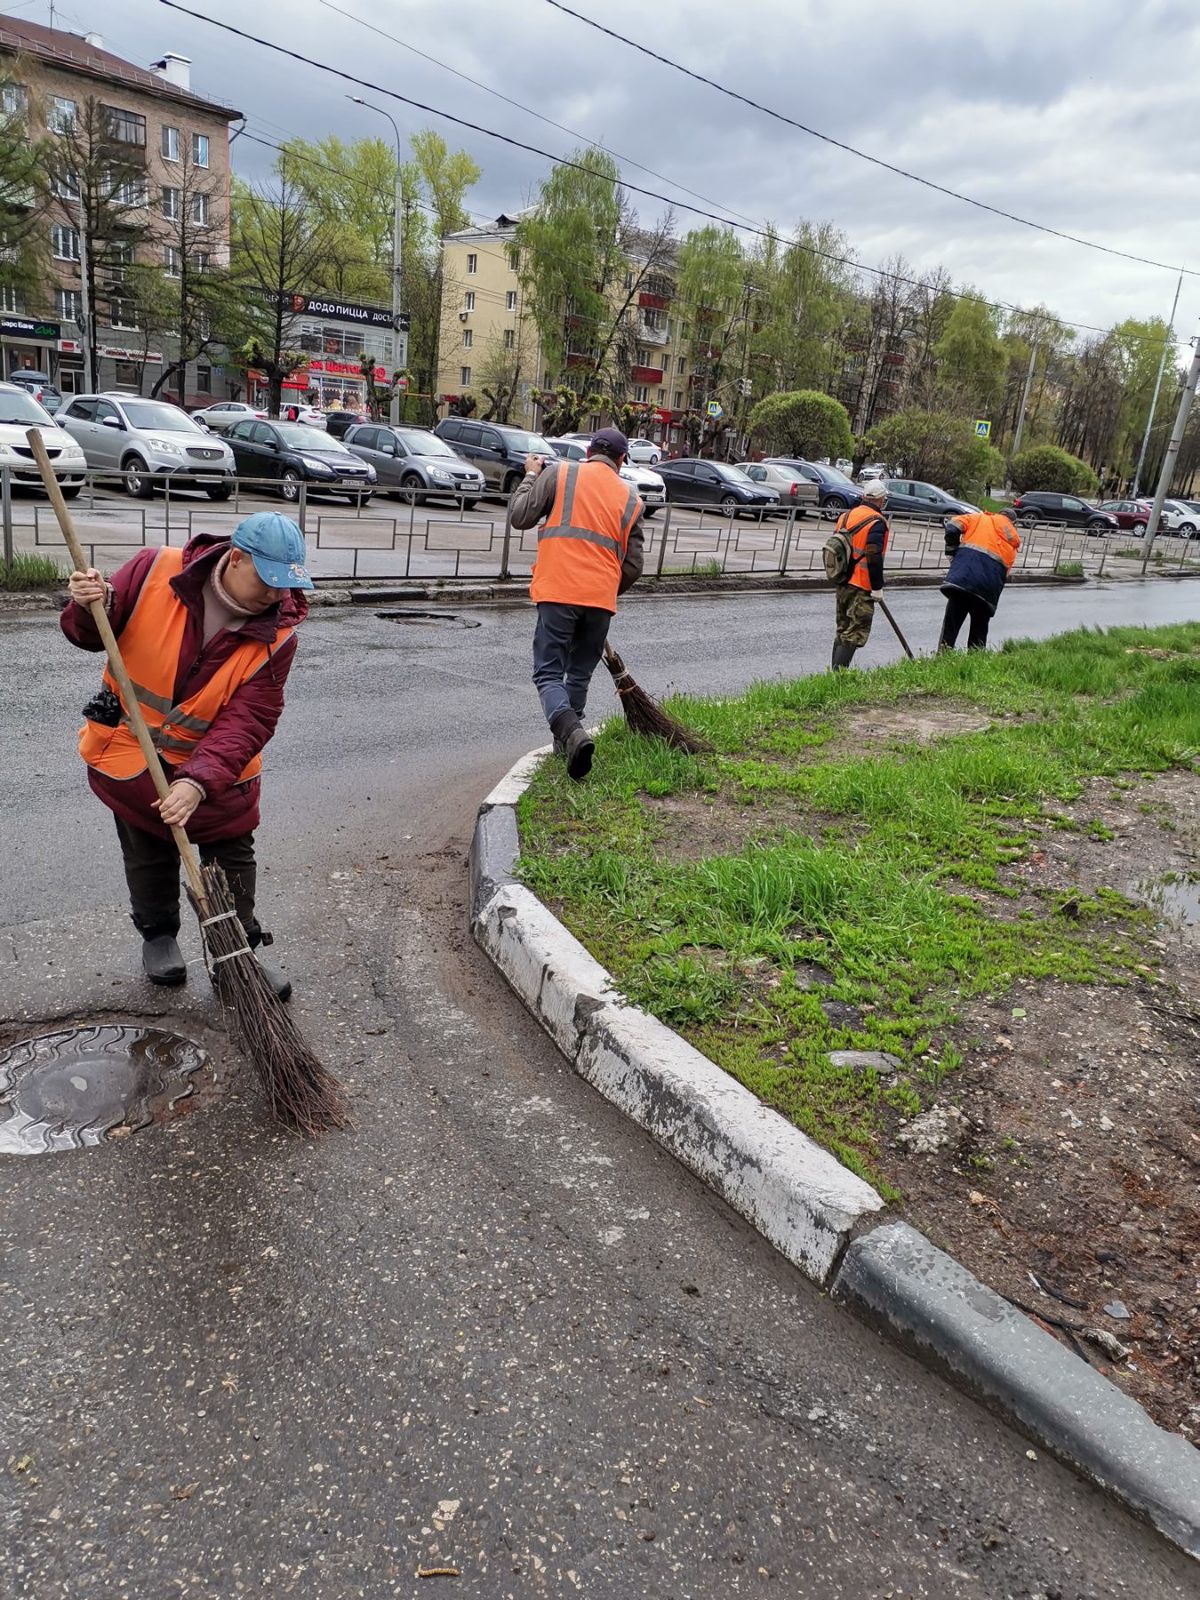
{"x": 802, "y": 423}
{"x": 26, "y": 166}
{"x": 971, "y": 358}
{"x": 937, "y": 447}
{"x": 1046, "y": 467}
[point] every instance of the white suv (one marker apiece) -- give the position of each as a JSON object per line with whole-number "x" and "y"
{"x": 149, "y": 440}
{"x": 19, "y": 412}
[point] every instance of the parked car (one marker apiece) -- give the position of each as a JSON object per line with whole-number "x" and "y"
{"x": 835, "y": 492}
{"x": 221, "y": 416}
{"x": 338, "y": 422}
{"x": 499, "y": 452}
{"x": 1039, "y": 505}
{"x": 795, "y": 491}
{"x": 42, "y": 387}
{"x": 1175, "y": 517}
{"x": 697, "y": 483}
{"x": 295, "y": 411}
{"x": 294, "y": 453}
{"x": 1131, "y": 515}
{"x": 649, "y": 485}
{"x": 872, "y": 471}
{"x": 906, "y": 497}
{"x": 150, "y": 442}
{"x": 644, "y": 452}
{"x": 19, "y": 411}
{"x": 417, "y": 461}
{"x": 1189, "y": 516}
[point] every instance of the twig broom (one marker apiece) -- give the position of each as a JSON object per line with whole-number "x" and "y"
{"x": 301, "y": 1092}
{"x": 644, "y": 715}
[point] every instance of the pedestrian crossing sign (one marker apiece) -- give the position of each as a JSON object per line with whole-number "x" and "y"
{"x": 715, "y": 409}
{"x": 983, "y": 430}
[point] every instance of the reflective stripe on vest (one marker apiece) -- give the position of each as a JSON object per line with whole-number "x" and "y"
{"x": 993, "y": 534}
{"x": 855, "y": 524}
{"x": 151, "y": 642}
{"x": 583, "y": 541}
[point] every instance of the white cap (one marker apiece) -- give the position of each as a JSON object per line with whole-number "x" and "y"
{"x": 873, "y": 489}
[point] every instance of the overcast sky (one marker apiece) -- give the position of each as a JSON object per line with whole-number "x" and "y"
{"x": 1078, "y": 113}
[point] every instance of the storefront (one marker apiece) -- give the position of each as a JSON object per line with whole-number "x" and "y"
{"x": 28, "y": 342}
{"x": 329, "y": 384}
{"x": 337, "y": 335}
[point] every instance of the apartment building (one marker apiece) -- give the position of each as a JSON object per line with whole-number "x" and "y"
{"x": 486, "y": 329}
{"x": 173, "y": 145}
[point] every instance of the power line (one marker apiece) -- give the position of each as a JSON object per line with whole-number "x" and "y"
{"x": 839, "y": 144}
{"x": 579, "y": 166}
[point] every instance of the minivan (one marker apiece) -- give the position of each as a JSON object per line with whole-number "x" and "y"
{"x": 499, "y": 452}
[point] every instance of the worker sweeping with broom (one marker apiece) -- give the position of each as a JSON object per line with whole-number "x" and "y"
{"x": 207, "y": 633}
{"x": 589, "y": 551}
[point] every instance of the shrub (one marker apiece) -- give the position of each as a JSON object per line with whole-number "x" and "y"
{"x": 1045, "y": 466}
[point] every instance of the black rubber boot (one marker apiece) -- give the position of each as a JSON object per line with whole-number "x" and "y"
{"x": 278, "y": 980}
{"x": 843, "y": 655}
{"x": 578, "y": 747}
{"x": 163, "y": 960}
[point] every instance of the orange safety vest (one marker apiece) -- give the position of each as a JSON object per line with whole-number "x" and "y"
{"x": 993, "y": 533}
{"x": 582, "y": 543}
{"x": 854, "y": 524}
{"x": 150, "y": 645}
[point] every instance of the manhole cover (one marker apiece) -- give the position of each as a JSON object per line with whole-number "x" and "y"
{"x": 84, "y": 1086}
{"x": 445, "y": 619}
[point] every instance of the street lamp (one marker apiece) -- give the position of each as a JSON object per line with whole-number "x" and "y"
{"x": 397, "y": 246}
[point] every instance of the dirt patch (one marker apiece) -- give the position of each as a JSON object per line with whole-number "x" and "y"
{"x": 1069, "y": 1183}
{"x": 915, "y": 722}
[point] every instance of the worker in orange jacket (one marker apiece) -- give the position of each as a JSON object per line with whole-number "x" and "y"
{"x": 589, "y": 551}
{"x": 983, "y": 546}
{"x": 866, "y": 527}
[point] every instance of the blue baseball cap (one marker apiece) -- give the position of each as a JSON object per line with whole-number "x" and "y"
{"x": 276, "y": 546}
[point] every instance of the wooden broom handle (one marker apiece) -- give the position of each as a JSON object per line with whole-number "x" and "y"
{"x": 187, "y": 851}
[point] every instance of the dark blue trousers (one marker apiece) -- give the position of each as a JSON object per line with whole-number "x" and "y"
{"x": 567, "y": 645}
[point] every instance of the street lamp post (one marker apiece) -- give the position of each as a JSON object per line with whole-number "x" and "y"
{"x": 397, "y": 255}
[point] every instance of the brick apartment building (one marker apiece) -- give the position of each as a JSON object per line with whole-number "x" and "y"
{"x": 176, "y": 145}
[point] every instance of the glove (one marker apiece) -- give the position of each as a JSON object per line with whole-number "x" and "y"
{"x": 876, "y": 594}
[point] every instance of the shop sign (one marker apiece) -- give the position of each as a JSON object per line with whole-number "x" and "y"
{"x": 31, "y": 328}
{"x": 346, "y": 311}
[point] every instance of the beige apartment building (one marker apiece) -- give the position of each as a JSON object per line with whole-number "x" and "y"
{"x": 178, "y": 141}
{"x": 485, "y": 326}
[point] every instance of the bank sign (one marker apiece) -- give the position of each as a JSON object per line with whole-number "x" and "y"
{"x": 346, "y": 311}
{"x": 30, "y": 328}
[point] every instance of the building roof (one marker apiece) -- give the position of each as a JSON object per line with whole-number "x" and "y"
{"x": 73, "y": 53}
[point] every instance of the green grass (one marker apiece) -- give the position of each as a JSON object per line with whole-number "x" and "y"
{"x": 32, "y": 572}
{"x": 883, "y": 868}
{"x": 1069, "y": 569}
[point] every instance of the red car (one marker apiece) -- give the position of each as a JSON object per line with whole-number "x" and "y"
{"x": 1132, "y": 514}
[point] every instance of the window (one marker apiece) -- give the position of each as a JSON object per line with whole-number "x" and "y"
{"x": 681, "y": 366}
{"x": 469, "y": 299}
{"x": 66, "y": 185}
{"x": 200, "y": 149}
{"x": 510, "y": 300}
{"x": 122, "y": 311}
{"x": 468, "y": 338}
{"x": 62, "y": 115}
{"x": 641, "y": 394}
{"x": 64, "y": 242}
{"x": 200, "y": 259}
{"x": 127, "y": 375}
{"x": 14, "y": 99}
{"x": 678, "y": 403}
{"x": 171, "y": 260}
{"x": 510, "y": 338}
{"x": 200, "y": 209}
{"x": 171, "y": 204}
{"x": 662, "y": 396}
{"x": 125, "y": 127}
{"x": 464, "y": 376}
{"x": 170, "y": 143}
{"x": 514, "y": 260}
{"x": 134, "y": 191}
{"x": 204, "y": 380}
{"x": 68, "y": 304}
{"x": 472, "y": 263}
{"x": 11, "y": 299}
{"x": 120, "y": 256}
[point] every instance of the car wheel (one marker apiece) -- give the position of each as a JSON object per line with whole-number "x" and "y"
{"x": 1187, "y": 529}
{"x": 835, "y": 503}
{"x": 138, "y": 481}
{"x": 360, "y": 497}
{"x": 469, "y": 505}
{"x": 1029, "y": 519}
{"x": 648, "y": 512}
{"x": 289, "y": 485}
{"x": 219, "y": 491}
{"x": 414, "y": 483}
{"x": 511, "y": 482}
{"x": 729, "y": 505}
{"x": 73, "y": 492}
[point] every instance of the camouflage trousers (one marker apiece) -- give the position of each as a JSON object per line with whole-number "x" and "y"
{"x": 855, "y": 613}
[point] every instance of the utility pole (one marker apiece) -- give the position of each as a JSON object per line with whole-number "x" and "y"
{"x": 397, "y": 258}
{"x": 1172, "y": 455}
{"x": 1167, "y": 343}
{"x": 1016, "y": 444}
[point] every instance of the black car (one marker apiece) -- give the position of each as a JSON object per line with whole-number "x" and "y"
{"x": 339, "y": 423}
{"x": 499, "y": 452}
{"x": 1039, "y": 505}
{"x": 693, "y": 482}
{"x": 835, "y": 492}
{"x": 906, "y": 497}
{"x": 295, "y": 454}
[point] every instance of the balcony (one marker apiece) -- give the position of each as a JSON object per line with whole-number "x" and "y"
{"x": 647, "y": 375}
{"x": 646, "y": 333}
{"x": 653, "y": 302}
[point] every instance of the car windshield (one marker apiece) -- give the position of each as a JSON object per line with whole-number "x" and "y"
{"x": 16, "y": 409}
{"x": 425, "y": 444}
{"x": 306, "y": 438}
{"x": 166, "y": 419}
{"x": 835, "y": 478}
{"x": 732, "y": 474}
{"x": 531, "y": 443}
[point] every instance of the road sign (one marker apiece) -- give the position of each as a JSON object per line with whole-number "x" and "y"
{"x": 715, "y": 409}
{"x": 983, "y": 429}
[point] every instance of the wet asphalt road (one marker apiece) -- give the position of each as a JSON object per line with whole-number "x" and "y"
{"x": 493, "y": 1328}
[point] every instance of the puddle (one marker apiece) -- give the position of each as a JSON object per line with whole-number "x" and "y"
{"x": 1176, "y": 899}
{"x": 445, "y": 619}
{"x": 85, "y": 1086}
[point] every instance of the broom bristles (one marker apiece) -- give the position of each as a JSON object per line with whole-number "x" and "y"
{"x": 302, "y": 1093}
{"x": 644, "y": 715}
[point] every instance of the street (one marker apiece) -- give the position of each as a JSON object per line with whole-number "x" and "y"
{"x": 492, "y": 1328}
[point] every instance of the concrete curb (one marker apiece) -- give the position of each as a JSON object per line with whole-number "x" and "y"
{"x": 819, "y": 1215}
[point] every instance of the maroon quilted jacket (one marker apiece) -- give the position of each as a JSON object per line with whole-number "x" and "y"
{"x": 238, "y": 733}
